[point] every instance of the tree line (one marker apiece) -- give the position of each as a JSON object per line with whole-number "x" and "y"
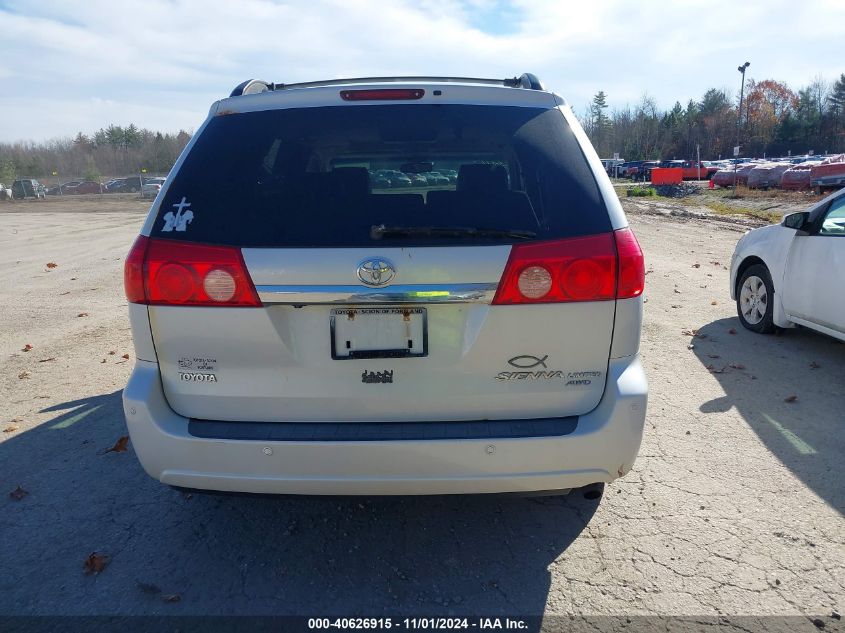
{"x": 111, "y": 151}
{"x": 775, "y": 121}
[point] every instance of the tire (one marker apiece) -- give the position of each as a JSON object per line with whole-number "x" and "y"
{"x": 755, "y": 297}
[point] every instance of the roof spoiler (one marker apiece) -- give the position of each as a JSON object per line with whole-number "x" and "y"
{"x": 527, "y": 81}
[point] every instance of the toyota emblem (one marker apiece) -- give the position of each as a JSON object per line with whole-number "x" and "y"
{"x": 376, "y": 271}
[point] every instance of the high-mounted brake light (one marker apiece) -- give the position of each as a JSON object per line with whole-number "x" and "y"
{"x": 592, "y": 268}
{"x": 383, "y": 94}
{"x": 167, "y": 272}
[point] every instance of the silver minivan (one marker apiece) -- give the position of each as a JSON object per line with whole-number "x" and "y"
{"x": 299, "y": 330}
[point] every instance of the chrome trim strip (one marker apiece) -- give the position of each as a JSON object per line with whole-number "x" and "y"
{"x": 416, "y": 293}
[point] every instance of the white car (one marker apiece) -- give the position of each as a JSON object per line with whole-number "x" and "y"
{"x": 791, "y": 273}
{"x": 151, "y": 187}
{"x": 301, "y": 332}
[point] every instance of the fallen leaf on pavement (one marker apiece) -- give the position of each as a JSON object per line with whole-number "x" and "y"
{"x": 83, "y": 314}
{"x": 713, "y": 303}
{"x": 814, "y": 365}
{"x": 51, "y": 264}
{"x": 47, "y": 360}
{"x": 713, "y": 370}
{"x": 732, "y": 331}
{"x": 690, "y": 332}
{"x": 790, "y": 399}
{"x": 696, "y": 265}
{"x": 713, "y": 356}
{"x": 11, "y": 428}
{"x": 119, "y": 446}
{"x": 18, "y": 493}
{"x": 737, "y": 366}
{"x": 24, "y": 374}
{"x": 103, "y": 361}
{"x": 26, "y": 348}
{"x": 171, "y": 597}
{"x": 95, "y": 563}
{"x": 677, "y": 292}
{"x": 112, "y": 353}
{"x": 126, "y": 356}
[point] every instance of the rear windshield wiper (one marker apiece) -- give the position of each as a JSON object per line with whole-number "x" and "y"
{"x": 380, "y": 230}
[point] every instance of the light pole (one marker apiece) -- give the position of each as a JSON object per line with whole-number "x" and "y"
{"x": 739, "y": 118}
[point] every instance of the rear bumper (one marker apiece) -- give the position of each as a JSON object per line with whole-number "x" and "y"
{"x": 603, "y": 447}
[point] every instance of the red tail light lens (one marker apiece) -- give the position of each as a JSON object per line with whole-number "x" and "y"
{"x": 593, "y": 268}
{"x": 383, "y": 94}
{"x": 167, "y": 272}
{"x": 631, "y": 265}
{"x": 133, "y": 271}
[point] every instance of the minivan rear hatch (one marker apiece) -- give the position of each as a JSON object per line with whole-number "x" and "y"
{"x": 395, "y": 254}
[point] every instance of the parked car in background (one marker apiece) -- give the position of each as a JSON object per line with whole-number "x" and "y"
{"x": 628, "y": 168}
{"x": 725, "y": 177}
{"x": 767, "y": 175}
{"x": 87, "y": 186}
{"x": 379, "y": 180}
{"x": 610, "y": 165}
{"x": 418, "y": 180}
{"x": 436, "y": 178}
{"x": 131, "y": 184}
{"x": 397, "y": 178}
{"x": 151, "y": 187}
{"x": 828, "y": 174}
{"x": 28, "y": 188}
{"x": 645, "y": 170}
{"x": 63, "y": 189}
{"x": 451, "y": 174}
{"x": 790, "y": 273}
{"x": 697, "y": 170}
{"x": 797, "y": 177}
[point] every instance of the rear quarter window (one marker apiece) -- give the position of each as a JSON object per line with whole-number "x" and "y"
{"x": 324, "y": 177}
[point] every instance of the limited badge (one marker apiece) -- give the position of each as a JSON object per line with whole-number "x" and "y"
{"x": 180, "y": 220}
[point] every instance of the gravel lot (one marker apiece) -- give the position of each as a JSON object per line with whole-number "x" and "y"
{"x": 735, "y": 506}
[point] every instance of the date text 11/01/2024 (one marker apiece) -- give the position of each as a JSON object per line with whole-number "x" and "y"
{"x": 424, "y": 623}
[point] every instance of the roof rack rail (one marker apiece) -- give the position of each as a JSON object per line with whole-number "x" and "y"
{"x": 255, "y": 86}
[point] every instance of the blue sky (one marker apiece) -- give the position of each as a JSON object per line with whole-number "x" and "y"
{"x": 78, "y": 65}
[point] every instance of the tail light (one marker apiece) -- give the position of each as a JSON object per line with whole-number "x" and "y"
{"x": 631, "y": 265}
{"x": 167, "y": 272}
{"x": 593, "y": 268}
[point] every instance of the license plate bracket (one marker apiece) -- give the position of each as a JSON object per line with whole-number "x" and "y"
{"x": 374, "y": 332}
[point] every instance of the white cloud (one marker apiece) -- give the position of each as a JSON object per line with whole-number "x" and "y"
{"x": 162, "y": 62}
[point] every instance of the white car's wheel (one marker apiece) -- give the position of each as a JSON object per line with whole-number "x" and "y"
{"x": 755, "y": 299}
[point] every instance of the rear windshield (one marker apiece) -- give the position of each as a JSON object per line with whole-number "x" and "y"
{"x": 331, "y": 176}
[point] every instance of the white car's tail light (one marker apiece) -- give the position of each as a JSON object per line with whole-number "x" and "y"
{"x": 592, "y": 268}
{"x": 168, "y": 272}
